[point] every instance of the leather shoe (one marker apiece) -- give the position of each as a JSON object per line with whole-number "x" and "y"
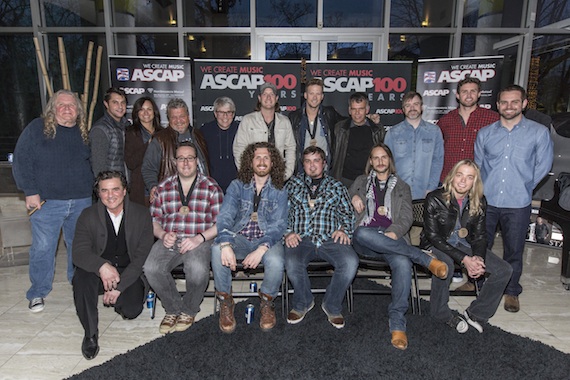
{"x": 399, "y": 339}
{"x": 90, "y": 347}
{"x": 512, "y": 303}
{"x": 467, "y": 287}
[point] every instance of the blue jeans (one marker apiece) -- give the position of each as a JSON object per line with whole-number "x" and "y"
{"x": 341, "y": 256}
{"x": 161, "y": 261}
{"x": 47, "y": 224}
{"x": 399, "y": 256}
{"x": 272, "y": 260}
{"x": 497, "y": 273}
{"x": 514, "y": 224}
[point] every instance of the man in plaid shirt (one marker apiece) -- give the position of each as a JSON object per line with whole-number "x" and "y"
{"x": 460, "y": 126}
{"x": 321, "y": 222}
{"x": 183, "y": 216}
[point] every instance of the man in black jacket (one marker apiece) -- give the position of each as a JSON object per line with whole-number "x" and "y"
{"x": 313, "y": 124}
{"x": 112, "y": 240}
{"x": 454, "y": 229}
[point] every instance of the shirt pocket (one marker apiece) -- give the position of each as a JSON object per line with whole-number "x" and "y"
{"x": 428, "y": 145}
{"x": 523, "y": 151}
{"x": 400, "y": 148}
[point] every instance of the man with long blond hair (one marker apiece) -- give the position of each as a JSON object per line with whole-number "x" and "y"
{"x": 51, "y": 165}
{"x": 251, "y": 223}
{"x": 454, "y": 229}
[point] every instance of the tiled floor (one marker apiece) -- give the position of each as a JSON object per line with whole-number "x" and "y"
{"x": 46, "y": 345}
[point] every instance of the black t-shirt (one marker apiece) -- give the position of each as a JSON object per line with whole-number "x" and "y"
{"x": 359, "y": 144}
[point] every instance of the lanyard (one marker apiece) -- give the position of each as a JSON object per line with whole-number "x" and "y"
{"x": 185, "y": 199}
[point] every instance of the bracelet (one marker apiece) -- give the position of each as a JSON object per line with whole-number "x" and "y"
{"x": 203, "y": 237}
{"x": 225, "y": 245}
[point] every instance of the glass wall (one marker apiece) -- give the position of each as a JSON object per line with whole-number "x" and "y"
{"x": 276, "y": 29}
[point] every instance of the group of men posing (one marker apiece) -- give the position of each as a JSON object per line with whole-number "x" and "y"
{"x": 345, "y": 200}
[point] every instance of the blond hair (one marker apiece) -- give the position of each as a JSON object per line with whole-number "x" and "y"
{"x": 476, "y": 192}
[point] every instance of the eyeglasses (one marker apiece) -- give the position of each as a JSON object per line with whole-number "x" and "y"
{"x": 225, "y": 113}
{"x": 186, "y": 159}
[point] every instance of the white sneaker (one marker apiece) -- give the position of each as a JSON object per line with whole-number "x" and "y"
{"x": 459, "y": 324}
{"x": 36, "y": 305}
{"x": 472, "y": 322}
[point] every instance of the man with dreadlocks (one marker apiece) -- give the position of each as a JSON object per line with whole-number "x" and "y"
{"x": 251, "y": 223}
{"x": 51, "y": 164}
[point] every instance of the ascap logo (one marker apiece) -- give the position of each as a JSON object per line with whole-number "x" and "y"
{"x": 231, "y": 81}
{"x": 133, "y": 91}
{"x": 454, "y": 76}
{"x": 158, "y": 75}
{"x": 344, "y": 84}
{"x": 440, "y": 92}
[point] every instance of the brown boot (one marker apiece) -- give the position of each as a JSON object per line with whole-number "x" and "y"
{"x": 267, "y": 320}
{"x": 438, "y": 268}
{"x": 227, "y": 321}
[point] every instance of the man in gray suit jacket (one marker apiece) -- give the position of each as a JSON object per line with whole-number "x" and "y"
{"x": 112, "y": 240}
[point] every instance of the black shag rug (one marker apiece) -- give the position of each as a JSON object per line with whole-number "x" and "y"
{"x": 314, "y": 349}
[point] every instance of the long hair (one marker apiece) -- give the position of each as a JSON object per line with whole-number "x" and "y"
{"x": 138, "y": 106}
{"x": 50, "y": 123}
{"x": 476, "y": 192}
{"x": 391, "y": 165}
{"x": 245, "y": 172}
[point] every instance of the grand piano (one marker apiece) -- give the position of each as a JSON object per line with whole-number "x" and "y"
{"x": 548, "y": 191}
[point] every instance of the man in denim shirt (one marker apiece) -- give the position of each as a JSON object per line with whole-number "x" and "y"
{"x": 514, "y": 154}
{"x": 251, "y": 223}
{"x": 417, "y": 147}
{"x": 321, "y": 222}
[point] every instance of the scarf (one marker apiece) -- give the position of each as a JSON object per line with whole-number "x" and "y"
{"x": 370, "y": 202}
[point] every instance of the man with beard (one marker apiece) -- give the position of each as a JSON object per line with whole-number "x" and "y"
{"x": 184, "y": 214}
{"x": 460, "y": 126}
{"x": 267, "y": 124}
{"x": 514, "y": 154}
{"x": 384, "y": 206}
{"x": 320, "y": 226}
{"x": 251, "y": 223}
{"x": 418, "y": 148}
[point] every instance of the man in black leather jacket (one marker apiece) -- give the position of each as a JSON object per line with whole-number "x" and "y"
{"x": 454, "y": 229}
{"x": 313, "y": 123}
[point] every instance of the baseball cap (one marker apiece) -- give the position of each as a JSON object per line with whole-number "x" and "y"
{"x": 268, "y": 85}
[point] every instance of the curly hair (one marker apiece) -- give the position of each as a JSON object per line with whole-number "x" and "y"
{"x": 245, "y": 172}
{"x": 476, "y": 192}
{"x": 50, "y": 123}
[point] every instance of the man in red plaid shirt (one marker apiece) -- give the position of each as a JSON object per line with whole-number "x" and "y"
{"x": 460, "y": 126}
{"x": 183, "y": 216}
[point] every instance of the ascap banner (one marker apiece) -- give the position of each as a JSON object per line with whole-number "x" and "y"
{"x": 159, "y": 78}
{"x": 437, "y": 82}
{"x": 383, "y": 82}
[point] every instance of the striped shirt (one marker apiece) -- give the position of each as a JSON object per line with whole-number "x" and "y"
{"x": 204, "y": 205}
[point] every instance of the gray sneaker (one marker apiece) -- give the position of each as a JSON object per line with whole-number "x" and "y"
{"x": 36, "y": 305}
{"x": 458, "y": 323}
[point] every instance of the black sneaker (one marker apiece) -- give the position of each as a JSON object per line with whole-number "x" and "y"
{"x": 458, "y": 323}
{"x": 457, "y": 276}
{"x": 36, "y": 305}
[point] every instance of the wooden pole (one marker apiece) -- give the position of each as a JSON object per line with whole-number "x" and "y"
{"x": 43, "y": 67}
{"x": 87, "y": 75}
{"x": 63, "y": 63}
{"x": 95, "y": 86}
